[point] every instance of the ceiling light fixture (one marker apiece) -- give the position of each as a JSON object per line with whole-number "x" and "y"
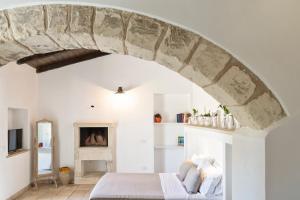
{"x": 120, "y": 90}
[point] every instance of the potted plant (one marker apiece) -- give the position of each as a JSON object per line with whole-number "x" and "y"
{"x": 214, "y": 119}
{"x": 200, "y": 120}
{"x": 65, "y": 175}
{"x": 195, "y": 112}
{"x": 194, "y": 116}
{"x": 230, "y": 123}
{"x": 207, "y": 119}
{"x": 225, "y": 109}
{"x": 228, "y": 119}
{"x": 222, "y": 110}
{"x": 157, "y": 118}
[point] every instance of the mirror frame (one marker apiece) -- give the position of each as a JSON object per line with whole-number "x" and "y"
{"x": 36, "y": 175}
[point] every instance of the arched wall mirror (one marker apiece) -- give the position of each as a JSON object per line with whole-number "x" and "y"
{"x": 44, "y": 152}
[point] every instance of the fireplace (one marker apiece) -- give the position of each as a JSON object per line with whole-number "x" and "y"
{"x": 94, "y": 151}
{"x": 93, "y": 136}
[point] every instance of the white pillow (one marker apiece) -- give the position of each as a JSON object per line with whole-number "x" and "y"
{"x": 211, "y": 178}
{"x": 219, "y": 188}
{"x": 192, "y": 180}
{"x": 202, "y": 161}
{"x": 184, "y": 169}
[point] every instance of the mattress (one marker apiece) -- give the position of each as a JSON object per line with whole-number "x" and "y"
{"x": 123, "y": 186}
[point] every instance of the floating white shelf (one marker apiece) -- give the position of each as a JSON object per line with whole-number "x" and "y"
{"x": 18, "y": 152}
{"x": 219, "y": 130}
{"x": 169, "y": 147}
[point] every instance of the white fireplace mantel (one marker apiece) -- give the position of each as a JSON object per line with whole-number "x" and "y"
{"x": 107, "y": 154}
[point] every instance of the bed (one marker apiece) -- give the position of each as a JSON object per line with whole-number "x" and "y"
{"x": 124, "y": 186}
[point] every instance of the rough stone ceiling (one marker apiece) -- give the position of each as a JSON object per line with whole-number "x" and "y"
{"x": 43, "y": 29}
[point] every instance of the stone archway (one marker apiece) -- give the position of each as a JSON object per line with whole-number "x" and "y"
{"x": 42, "y": 29}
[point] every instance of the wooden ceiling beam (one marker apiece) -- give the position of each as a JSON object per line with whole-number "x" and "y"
{"x": 54, "y": 60}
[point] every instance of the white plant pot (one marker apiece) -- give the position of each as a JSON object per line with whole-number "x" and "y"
{"x": 214, "y": 121}
{"x": 201, "y": 121}
{"x": 221, "y": 119}
{"x": 207, "y": 121}
{"x": 65, "y": 178}
{"x": 194, "y": 120}
{"x": 230, "y": 122}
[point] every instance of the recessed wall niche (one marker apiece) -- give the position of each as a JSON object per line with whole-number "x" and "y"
{"x": 18, "y": 119}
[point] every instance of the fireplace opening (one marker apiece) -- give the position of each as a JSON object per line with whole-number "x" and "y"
{"x": 93, "y": 136}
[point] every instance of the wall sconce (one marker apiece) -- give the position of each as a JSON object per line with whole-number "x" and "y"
{"x": 122, "y": 100}
{"x": 120, "y": 90}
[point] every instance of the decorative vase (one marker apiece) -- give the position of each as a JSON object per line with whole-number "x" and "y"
{"x": 207, "y": 121}
{"x": 193, "y": 120}
{"x": 214, "y": 121}
{"x": 236, "y": 124}
{"x": 221, "y": 119}
{"x": 201, "y": 120}
{"x": 230, "y": 122}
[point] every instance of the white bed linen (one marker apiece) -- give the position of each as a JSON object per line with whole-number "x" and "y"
{"x": 173, "y": 189}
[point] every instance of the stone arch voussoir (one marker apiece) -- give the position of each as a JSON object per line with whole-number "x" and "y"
{"x": 47, "y": 28}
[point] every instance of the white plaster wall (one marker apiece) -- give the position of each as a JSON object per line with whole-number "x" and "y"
{"x": 18, "y": 89}
{"x": 65, "y": 96}
{"x": 262, "y": 34}
{"x": 248, "y": 165}
{"x": 283, "y": 161}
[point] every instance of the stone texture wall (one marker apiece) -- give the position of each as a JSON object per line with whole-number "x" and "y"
{"x": 41, "y": 29}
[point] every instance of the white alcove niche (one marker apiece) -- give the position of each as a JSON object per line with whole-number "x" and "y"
{"x": 168, "y": 155}
{"x": 18, "y": 118}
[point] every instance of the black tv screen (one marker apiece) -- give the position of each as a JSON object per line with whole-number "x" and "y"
{"x": 15, "y": 138}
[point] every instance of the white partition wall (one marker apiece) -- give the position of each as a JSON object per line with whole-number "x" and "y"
{"x": 228, "y": 171}
{"x": 168, "y": 159}
{"x": 248, "y": 156}
{"x": 213, "y": 143}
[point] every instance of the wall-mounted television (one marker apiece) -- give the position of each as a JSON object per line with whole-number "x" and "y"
{"x": 15, "y": 139}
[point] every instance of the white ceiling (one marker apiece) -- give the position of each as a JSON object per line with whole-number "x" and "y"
{"x": 264, "y": 34}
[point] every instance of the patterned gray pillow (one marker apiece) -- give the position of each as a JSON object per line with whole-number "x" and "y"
{"x": 184, "y": 168}
{"x": 192, "y": 180}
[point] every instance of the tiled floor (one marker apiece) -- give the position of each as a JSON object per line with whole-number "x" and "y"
{"x": 49, "y": 192}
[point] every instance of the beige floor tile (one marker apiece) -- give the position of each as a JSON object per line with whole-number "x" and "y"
{"x": 78, "y": 195}
{"x": 49, "y": 192}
